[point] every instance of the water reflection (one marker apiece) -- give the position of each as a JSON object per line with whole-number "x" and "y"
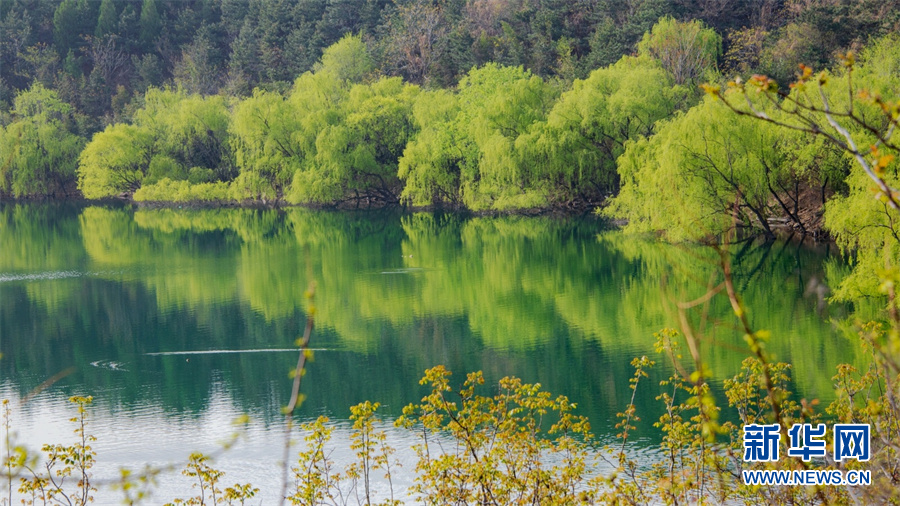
{"x": 123, "y": 436}
{"x": 131, "y": 297}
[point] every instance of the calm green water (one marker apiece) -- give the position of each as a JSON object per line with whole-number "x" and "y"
{"x": 176, "y": 321}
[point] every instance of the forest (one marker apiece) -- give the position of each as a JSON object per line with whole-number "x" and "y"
{"x": 484, "y": 105}
{"x": 638, "y": 109}
{"x": 675, "y": 119}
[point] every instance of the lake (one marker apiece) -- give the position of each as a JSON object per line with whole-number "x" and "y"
{"x": 178, "y": 321}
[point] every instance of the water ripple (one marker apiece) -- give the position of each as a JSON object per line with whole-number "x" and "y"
{"x": 109, "y": 364}
{"x": 216, "y": 352}
{"x": 40, "y": 276}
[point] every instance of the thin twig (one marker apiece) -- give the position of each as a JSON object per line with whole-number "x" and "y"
{"x": 295, "y": 392}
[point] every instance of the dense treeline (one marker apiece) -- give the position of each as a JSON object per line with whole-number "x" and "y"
{"x": 107, "y": 62}
{"x": 502, "y": 138}
{"x": 495, "y": 123}
{"x": 101, "y": 54}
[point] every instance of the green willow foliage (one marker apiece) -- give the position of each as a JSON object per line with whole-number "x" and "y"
{"x": 175, "y": 136}
{"x": 39, "y": 147}
{"x": 358, "y": 152}
{"x": 503, "y": 139}
{"x": 575, "y": 150}
{"x": 329, "y": 139}
{"x": 114, "y": 161}
{"x": 709, "y": 167}
{"x": 687, "y": 50}
{"x": 467, "y": 152}
{"x": 264, "y": 146}
{"x": 701, "y": 169}
{"x": 753, "y": 159}
{"x": 859, "y": 221}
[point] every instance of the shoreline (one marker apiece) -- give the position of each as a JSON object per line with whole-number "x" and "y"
{"x": 586, "y": 211}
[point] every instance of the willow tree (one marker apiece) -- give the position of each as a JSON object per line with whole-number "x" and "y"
{"x": 573, "y": 154}
{"x": 310, "y": 145}
{"x": 866, "y": 218}
{"x": 498, "y": 105}
{"x": 431, "y": 163}
{"x": 701, "y": 172}
{"x": 352, "y": 133}
{"x": 191, "y": 130}
{"x": 174, "y": 136}
{"x": 348, "y": 59}
{"x": 465, "y": 149}
{"x": 855, "y": 110}
{"x": 685, "y": 49}
{"x": 38, "y": 149}
{"x": 356, "y": 156}
{"x": 115, "y": 161}
{"x": 265, "y": 150}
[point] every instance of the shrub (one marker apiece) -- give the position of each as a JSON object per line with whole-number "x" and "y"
{"x": 166, "y": 190}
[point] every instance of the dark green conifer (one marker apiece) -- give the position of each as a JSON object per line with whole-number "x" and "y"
{"x": 150, "y": 25}
{"x": 107, "y": 23}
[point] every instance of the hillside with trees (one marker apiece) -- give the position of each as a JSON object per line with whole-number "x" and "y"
{"x": 99, "y": 55}
{"x": 692, "y": 121}
{"x": 488, "y": 105}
